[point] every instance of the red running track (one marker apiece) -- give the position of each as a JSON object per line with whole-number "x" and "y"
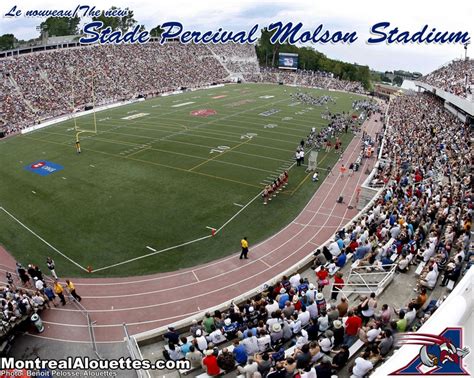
{"x": 149, "y": 302}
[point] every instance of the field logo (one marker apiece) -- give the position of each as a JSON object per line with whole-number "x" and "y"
{"x": 43, "y": 167}
{"x": 439, "y": 355}
{"x": 203, "y": 112}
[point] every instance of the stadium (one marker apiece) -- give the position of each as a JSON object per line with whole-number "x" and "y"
{"x": 221, "y": 210}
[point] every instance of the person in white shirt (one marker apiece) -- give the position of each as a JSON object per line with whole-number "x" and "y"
{"x": 295, "y": 325}
{"x": 295, "y": 280}
{"x": 302, "y": 340}
{"x": 373, "y": 333}
{"x": 362, "y": 366}
{"x": 309, "y": 372}
{"x": 327, "y": 342}
{"x": 410, "y": 315}
{"x": 323, "y": 321}
{"x": 251, "y": 344}
{"x": 304, "y": 317}
{"x": 216, "y": 336}
{"x": 264, "y": 341}
{"x": 39, "y": 284}
{"x": 201, "y": 341}
{"x": 430, "y": 279}
{"x": 334, "y": 249}
{"x": 271, "y": 307}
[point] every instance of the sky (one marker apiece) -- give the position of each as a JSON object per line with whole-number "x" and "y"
{"x": 344, "y": 15}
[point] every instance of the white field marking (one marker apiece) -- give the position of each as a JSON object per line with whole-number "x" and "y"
{"x": 33, "y": 192}
{"x": 64, "y": 178}
{"x": 268, "y": 265}
{"x": 238, "y": 212}
{"x": 238, "y": 204}
{"x": 134, "y": 116}
{"x": 197, "y": 279}
{"x": 40, "y": 238}
{"x": 210, "y": 228}
{"x": 151, "y": 254}
{"x": 182, "y": 104}
{"x": 151, "y": 249}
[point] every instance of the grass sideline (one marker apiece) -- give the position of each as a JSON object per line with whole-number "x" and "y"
{"x": 159, "y": 180}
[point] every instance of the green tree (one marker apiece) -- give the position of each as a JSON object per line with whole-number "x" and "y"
{"x": 117, "y": 23}
{"x": 397, "y": 80}
{"x": 58, "y": 26}
{"x": 7, "y": 42}
{"x": 156, "y": 31}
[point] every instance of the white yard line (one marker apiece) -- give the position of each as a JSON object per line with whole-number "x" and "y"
{"x": 43, "y": 240}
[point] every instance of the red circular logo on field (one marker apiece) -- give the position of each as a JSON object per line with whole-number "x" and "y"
{"x": 38, "y": 164}
{"x": 203, "y": 112}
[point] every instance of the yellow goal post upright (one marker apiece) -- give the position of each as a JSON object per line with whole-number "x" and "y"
{"x": 76, "y": 127}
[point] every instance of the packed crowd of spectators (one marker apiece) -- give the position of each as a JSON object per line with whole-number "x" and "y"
{"x": 42, "y": 85}
{"x": 423, "y": 216}
{"x": 305, "y": 78}
{"x": 456, "y": 78}
{"x": 29, "y": 291}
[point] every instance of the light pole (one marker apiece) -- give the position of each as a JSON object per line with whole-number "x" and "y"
{"x": 465, "y": 50}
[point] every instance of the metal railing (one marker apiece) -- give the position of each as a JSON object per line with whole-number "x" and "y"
{"x": 90, "y": 325}
{"x": 135, "y": 352}
{"x": 366, "y": 286}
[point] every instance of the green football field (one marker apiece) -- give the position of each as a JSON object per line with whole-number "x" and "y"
{"x": 155, "y": 177}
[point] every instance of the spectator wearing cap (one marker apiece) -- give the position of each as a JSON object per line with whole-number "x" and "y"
{"x": 172, "y": 336}
{"x": 201, "y": 341}
{"x": 338, "y": 332}
{"x": 320, "y": 302}
{"x": 282, "y": 298}
{"x": 327, "y": 341}
{"x": 195, "y": 326}
{"x": 276, "y": 333}
{"x": 209, "y": 363}
{"x": 230, "y": 329}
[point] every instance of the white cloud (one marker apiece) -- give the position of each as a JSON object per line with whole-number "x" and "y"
{"x": 335, "y": 15}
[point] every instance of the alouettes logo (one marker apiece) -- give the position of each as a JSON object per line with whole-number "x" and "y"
{"x": 439, "y": 354}
{"x": 38, "y": 165}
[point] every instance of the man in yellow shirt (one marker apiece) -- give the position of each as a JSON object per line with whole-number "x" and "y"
{"x": 72, "y": 290}
{"x": 58, "y": 289}
{"x": 245, "y": 248}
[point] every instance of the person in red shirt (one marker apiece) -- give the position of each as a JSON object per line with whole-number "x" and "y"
{"x": 353, "y": 324}
{"x": 353, "y": 245}
{"x": 338, "y": 285}
{"x": 209, "y": 363}
{"x": 322, "y": 278}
